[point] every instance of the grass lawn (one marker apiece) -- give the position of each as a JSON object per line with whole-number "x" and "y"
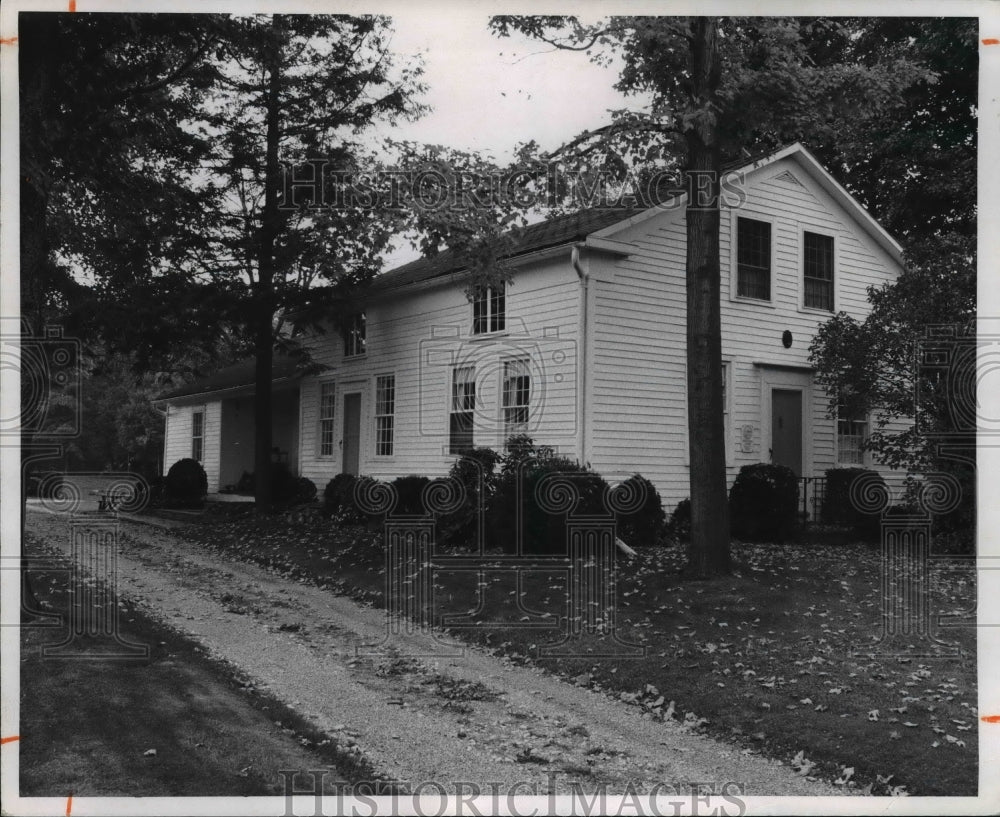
{"x": 760, "y": 658}
{"x": 177, "y": 724}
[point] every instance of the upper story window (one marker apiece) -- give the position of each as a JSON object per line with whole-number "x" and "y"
{"x": 198, "y": 435}
{"x": 354, "y": 335}
{"x": 489, "y": 309}
{"x": 753, "y": 259}
{"x": 817, "y": 270}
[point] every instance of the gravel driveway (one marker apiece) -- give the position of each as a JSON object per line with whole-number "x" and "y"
{"x": 451, "y": 714}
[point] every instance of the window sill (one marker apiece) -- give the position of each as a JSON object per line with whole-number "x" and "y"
{"x": 815, "y": 310}
{"x": 482, "y": 336}
{"x": 349, "y": 358}
{"x": 744, "y": 299}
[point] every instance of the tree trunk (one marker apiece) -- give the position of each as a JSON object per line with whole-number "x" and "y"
{"x": 709, "y": 550}
{"x": 264, "y": 295}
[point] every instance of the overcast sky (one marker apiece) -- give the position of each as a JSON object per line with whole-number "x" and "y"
{"x": 489, "y": 94}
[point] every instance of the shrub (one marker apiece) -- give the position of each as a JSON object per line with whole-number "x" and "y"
{"x": 338, "y": 499}
{"x": 838, "y": 509}
{"x": 304, "y": 492}
{"x": 475, "y": 473}
{"x": 647, "y": 524}
{"x": 410, "y": 495}
{"x": 543, "y": 528}
{"x": 763, "y": 502}
{"x": 679, "y": 526}
{"x": 520, "y": 448}
{"x": 186, "y": 484}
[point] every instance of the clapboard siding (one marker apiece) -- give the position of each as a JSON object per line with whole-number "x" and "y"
{"x": 639, "y": 324}
{"x": 177, "y": 444}
{"x": 418, "y": 338}
{"x": 631, "y": 363}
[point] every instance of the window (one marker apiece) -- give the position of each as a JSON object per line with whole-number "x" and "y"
{"x": 851, "y": 434}
{"x": 354, "y": 335}
{"x": 385, "y": 409}
{"x": 817, "y": 270}
{"x": 463, "y": 408}
{"x": 753, "y": 259}
{"x": 516, "y": 397}
{"x": 198, "y": 435}
{"x": 489, "y": 309}
{"x": 327, "y": 409}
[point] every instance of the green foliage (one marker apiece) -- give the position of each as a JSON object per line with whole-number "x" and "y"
{"x": 647, "y": 524}
{"x": 764, "y": 502}
{"x": 838, "y": 507}
{"x": 186, "y": 484}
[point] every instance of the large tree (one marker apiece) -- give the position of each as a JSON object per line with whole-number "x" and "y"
{"x": 720, "y": 86}
{"x": 295, "y": 96}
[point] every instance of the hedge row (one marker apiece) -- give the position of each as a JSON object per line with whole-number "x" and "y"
{"x": 527, "y": 492}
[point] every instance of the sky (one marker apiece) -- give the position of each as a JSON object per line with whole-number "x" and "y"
{"x": 489, "y": 94}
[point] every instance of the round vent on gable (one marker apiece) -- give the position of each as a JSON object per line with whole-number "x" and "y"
{"x": 786, "y": 339}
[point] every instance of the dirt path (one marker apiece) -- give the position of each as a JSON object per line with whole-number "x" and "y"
{"x": 452, "y": 714}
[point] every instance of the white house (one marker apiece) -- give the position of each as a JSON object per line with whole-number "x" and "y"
{"x": 584, "y": 348}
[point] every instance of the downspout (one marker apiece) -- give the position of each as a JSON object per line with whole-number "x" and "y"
{"x": 582, "y": 353}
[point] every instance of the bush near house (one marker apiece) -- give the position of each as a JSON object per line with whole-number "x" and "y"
{"x": 409, "y": 491}
{"x": 763, "y": 503}
{"x": 475, "y": 476}
{"x": 548, "y": 491}
{"x": 679, "y": 526}
{"x": 647, "y": 524}
{"x": 838, "y": 507}
{"x": 338, "y": 499}
{"x": 186, "y": 484}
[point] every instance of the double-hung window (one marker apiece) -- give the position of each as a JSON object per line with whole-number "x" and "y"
{"x": 327, "y": 410}
{"x": 385, "y": 411}
{"x": 198, "y": 435}
{"x": 753, "y": 259}
{"x": 354, "y": 335}
{"x": 817, "y": 271}
{"x": 489, "y": 309}
{"x": 851, "y": 434}
{"x": 516, "y": 397}
{"x": 463, "y": 408}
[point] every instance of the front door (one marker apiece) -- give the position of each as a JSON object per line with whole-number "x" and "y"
{"x": 352, "y": 433}
{"x": 786, "y": 429}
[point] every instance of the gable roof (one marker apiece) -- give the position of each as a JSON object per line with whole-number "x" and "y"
{"x": 236, "y": 376}
{"x": 605, "y": 222}
{"x": 805, "y": 160}
{"x": 545, "y": 234}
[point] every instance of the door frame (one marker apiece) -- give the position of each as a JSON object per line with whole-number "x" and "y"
{"x": 344, "y": 389}
{"x": 787, "y": 379}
